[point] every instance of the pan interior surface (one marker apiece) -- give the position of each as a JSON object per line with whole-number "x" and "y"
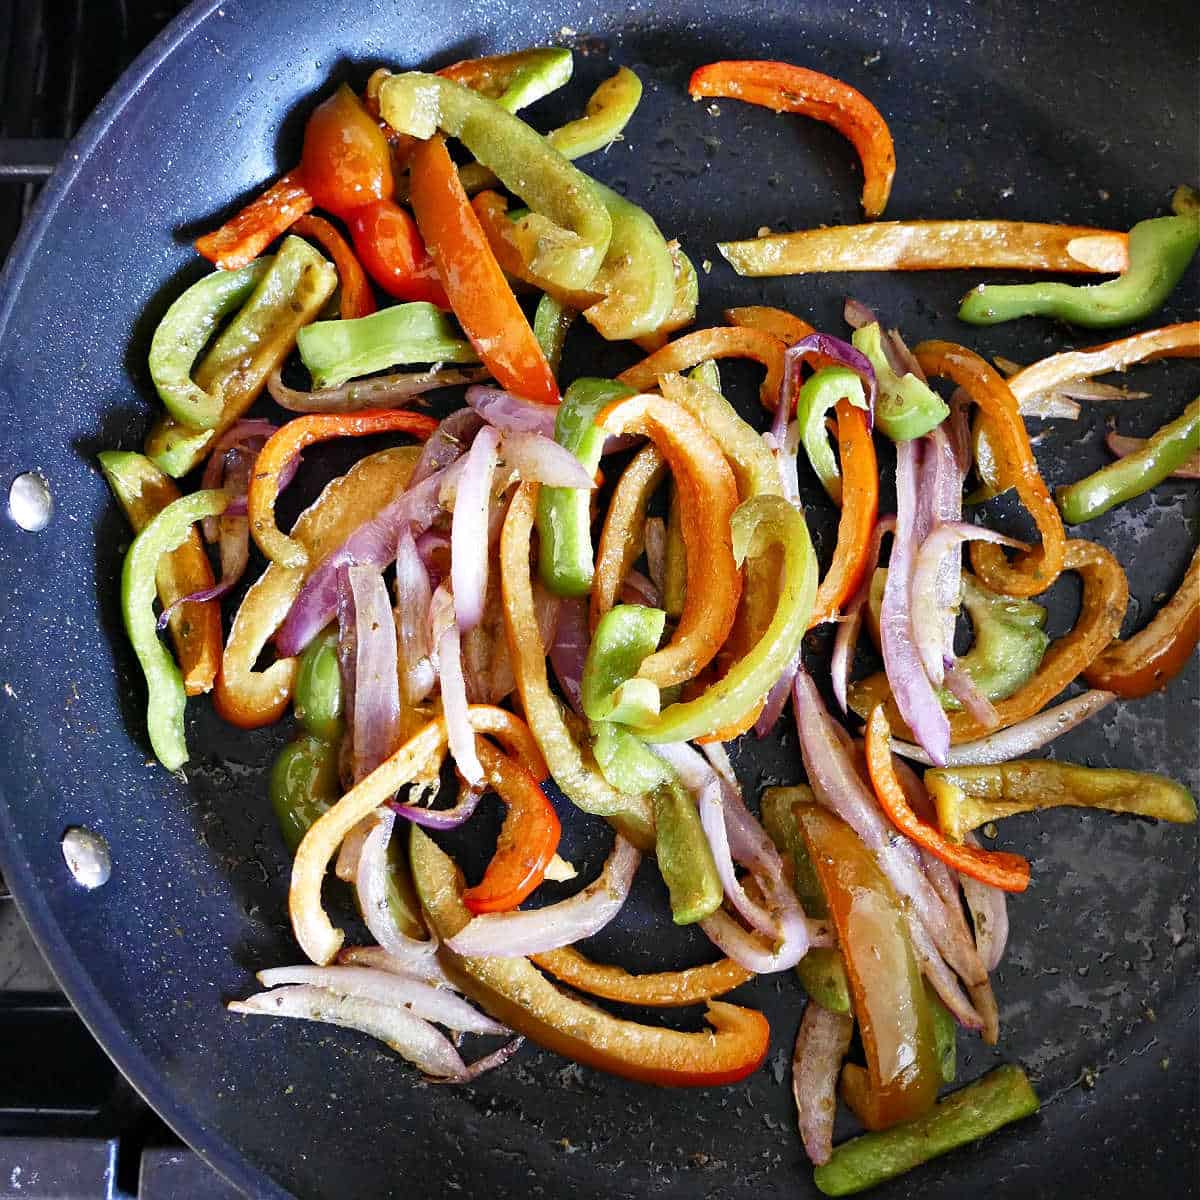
{"x": 1015, "y": 111}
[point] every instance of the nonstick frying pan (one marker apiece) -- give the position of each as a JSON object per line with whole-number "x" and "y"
{"x": 1047, "y": 111}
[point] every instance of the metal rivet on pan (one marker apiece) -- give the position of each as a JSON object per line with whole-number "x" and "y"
{"x": 29, "y": 501}
{"x": 87, "y": 856}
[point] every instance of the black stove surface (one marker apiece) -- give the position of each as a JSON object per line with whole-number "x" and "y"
{"x": 71, "y": 1128}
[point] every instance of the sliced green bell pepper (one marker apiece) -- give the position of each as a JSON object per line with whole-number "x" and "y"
{"x": 1136, "y": 473}
{"x": 821, "y": 391}
{"x": 542, "y": 70}
{"x": 418, "y": 332}
{"x": 757, "y": 524}
{"x": 304, "y": 784}
{"x": 1185, "y": 201}
{"x": 999, "y": 1098}
{"x": 821, "y": 972}
{"x": 551, "y": 323}
{"x": 317, "y": 700}
{"x": 165, "y": 532}
{"x": 610, "y": 689}
{"x": 624, "y": 761}
{"x": 707, "y": 373}
{"x": 184, "y": 331}
{"x": 564, "y": 514}
{"x": 566, "y": 236}
{"x": 1159, "y": 253}
{"x": 905, "y": 407}
{"x": 684, "y": 855}
{"x": 945, "y": 1035}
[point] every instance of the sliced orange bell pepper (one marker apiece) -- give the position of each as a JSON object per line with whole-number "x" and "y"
{"x": 528, "y": 839}
{"x": 288, "y": 441}
{"x": 1172, "y": 341}
{"x": 785, "y": 88}
{"x": 346, "y": 161}
{"x": 931, "y": 246}
{"x": 997, "y": 868}
{"x": 786, "y": 326}
{"x": 1035, "y": 570}
{"x": 708, "y": 497}
{"x": 475, "y": 285}
{"x": 694, "y": 348}
{"x": 513, "y": 734}
{"x": 623, "y": 537}
{"x": 1156, "y": 654}
{"x": 514, "y": 991}
{"x": 251, "y": 230}
{"x": 661, "y": 989}
{"x": 357, "y": 299}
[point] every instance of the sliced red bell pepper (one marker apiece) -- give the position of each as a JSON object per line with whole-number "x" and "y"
{"x": 528, "y": 838}
{"x": 390, "y": 247}
{"x": 478, "y": 292}
{"x": 290, "y": 440}
{"x": 1009, "y": 872}
{"x": 357, "y": 299}
{"x": 251, "y": 230}
{"x": 785, "y": 88}
{"x": 346, "y": 161}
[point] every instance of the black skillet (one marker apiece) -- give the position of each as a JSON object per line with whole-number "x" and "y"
{"x": 1046, "y": 111}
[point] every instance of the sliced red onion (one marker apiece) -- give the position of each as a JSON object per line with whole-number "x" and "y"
{"x": 903, "y": 361}
{"x": 941, "y": 978}
{"x": 440, "y": 818}
{"x": 540, "y": 459}
{"x": 448, "y": 442}
{"x": 511, "y": 413}
{"x": 856, "y": 314}
{"x": 656, "y": 551}
{"x": 468, "y": 529}
{"x": 835, "y": 348}
{"x": 376, "y": 725}
{"x": 373, "y": 543}
{"x": 1018, "y": 740}
{"x": 569, "y": 649}
{"x": 777, "y": 697}
{"x": 1093, "y": 389}
{"x": 989, "y": 915}
{"x": 461, "y": 736}
{"x": 371, "y": 885}
{"x": 836, "y": 783}
{"x": 489, "y": 1062}
{"x": 382, "y": 391}
{"x": 784, "y": 449}
{"x": 414, "y": 646}
{"x": 914, "y": 694}
{"x": 821, "y": 1044}
{"x": 637, "y": 589}
{"x": 1050, "y": 404}
{"x": 427, "y": 968}
{"x": 347, "y": 650}
{"x": 436, "y": 1004}
{"x": 546, "y": 607}
{"x": 845, "y": 641}
{"x": 928, "y": 612}
{"x": 406, "y": 1033}
{"x": 751, "y": 951}
{"x": 942, "y": 461}
{"x": 974, "y": 702}
{"x": 533, "y": 931}
{"x": 1120, "y": 446}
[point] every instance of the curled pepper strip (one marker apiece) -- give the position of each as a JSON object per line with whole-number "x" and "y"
{"x": 786, "y": 88}
{"x": 1032, "y": 572}
{"x": 786, "y": 326}
{"x": 1102, "y": 608}
{"x": 528, "y": 839}
{"x": 357, "y": 299}
{"x": 290, "y": 440}
{"x": 578, "y": 777}
{"x": 931, "y": 246}
{"x": 660, "y": 989}
{"x": 694, "y": 348}
{"x": 251, "y": 230}
{"x": 1156, "y": 654}
{"x": 1009, "y": 872}
{"x": 1171, "y": 341}
{"x": 623, "y": 536}
{"x": 708, "y": 498}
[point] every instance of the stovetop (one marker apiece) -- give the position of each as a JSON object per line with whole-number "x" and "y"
{"x": 71, "y": 1128}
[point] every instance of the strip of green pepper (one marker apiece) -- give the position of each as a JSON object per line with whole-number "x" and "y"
{"x": 566, "y": 236}
{"x": 821, "y": 972}
{"x": 304, "y": 784}
{"x": 551, "y": 323}
{"x": 624, "y": 761}
{"x": 542, "y": 70}
{"x": 999, "y": 1098}
{"x": 166, "y": 532}
{"x": 1159, "y": 253}
{"x": 611, "y": 689}
{"x": 905, "y": 408}
{"x": 1185, "y": 201}
{"x": 757, "y": 525}
{"x": 564, "y": 514}
{"x": 945, "y": 1035}
{"x": 821, "y": 391}
{"x": 1136, "y": 473}
{"x": 317, "y": 700}
{"x": 417, "y": 332}
{"x": 684, "y": 855}
{"x": 183, "y": 333}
